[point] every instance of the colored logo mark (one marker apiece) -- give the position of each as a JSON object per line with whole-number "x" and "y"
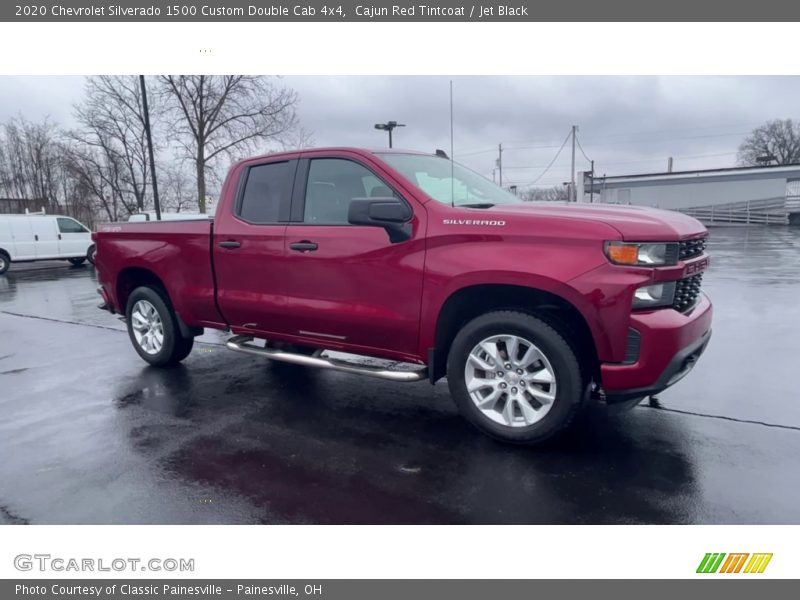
{"x": 719, "y": 562}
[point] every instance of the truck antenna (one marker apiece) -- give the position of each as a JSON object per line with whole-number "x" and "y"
{"x": 452, "y": 165}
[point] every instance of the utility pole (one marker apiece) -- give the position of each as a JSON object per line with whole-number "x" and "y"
{"x": 156, "y": 202}
{"x": 591, "y": 185}
{"x": 500, "y": 163}
{"x": 572, "y": 195}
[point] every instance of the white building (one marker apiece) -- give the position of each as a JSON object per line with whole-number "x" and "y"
{"x": 741, "y": 194}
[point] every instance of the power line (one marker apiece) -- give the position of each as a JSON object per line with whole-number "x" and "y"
{"x": 581, "y": 149}
{"x": 566, "y": 139}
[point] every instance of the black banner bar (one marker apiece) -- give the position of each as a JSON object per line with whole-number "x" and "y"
{"x": 398, "y": 11}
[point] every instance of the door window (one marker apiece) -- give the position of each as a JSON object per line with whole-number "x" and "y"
{"x": 332, "y": 184}
{"x": 70, "y": 226}
{"x": 267, "y": 189}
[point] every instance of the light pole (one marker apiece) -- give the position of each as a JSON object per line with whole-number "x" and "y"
{"x": 146, "y": 111}
{"x": 388, "y": 126}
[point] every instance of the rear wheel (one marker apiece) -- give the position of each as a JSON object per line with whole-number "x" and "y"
{"x": 153, "y": 328}
{"x": 77, "y": 261}
{"x": 514, "y": 377}
{"x": 5, "y": 262}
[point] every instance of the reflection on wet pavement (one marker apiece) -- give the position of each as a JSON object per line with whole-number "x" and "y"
{"x": 89, "y": 434}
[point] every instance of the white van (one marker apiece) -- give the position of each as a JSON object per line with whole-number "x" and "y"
{"x": 43, "y": 237}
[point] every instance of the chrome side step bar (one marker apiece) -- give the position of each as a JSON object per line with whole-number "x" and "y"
{"x": 241, "y": 343}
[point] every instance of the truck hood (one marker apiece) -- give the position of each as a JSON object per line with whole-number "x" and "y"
{"x": 634, "y": 223}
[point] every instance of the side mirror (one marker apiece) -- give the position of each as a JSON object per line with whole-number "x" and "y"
{"x": 390, "y": 213}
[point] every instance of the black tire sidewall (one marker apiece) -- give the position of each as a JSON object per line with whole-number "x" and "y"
{"x": 5, "y": 265}
{"x": 172, "y": 348}
{"x": 548, "y": 340}
{"x": 90, "y": 253}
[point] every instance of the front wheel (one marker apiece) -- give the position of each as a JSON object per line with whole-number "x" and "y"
{"x": 5, "y": 262}
{"x": 514, "y": 377}
{"x": 153, "y": 328}
{"x": 91, "y": 253}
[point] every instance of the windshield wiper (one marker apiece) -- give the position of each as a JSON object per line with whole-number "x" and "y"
{"x": 477, "y": 205}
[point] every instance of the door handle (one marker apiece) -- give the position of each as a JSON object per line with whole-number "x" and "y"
{"x": 304, "y": 246}
{"x": 36, "y": 238}
{"x": 59, "y": 236}
{"x": 230, "y": 244}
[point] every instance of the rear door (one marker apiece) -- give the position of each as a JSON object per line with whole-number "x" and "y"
{"x": 22, "y": 234}
{"x": 249, "y": 246}
{"x": 349, "y": 284}
{"x": 7, "y": 237}
{"x": 73, "y": 238}
{"x": 45, "y": 235}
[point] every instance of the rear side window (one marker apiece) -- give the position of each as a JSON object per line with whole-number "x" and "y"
{"x": 70, "y": 226}
{"x": 266, "y": 189}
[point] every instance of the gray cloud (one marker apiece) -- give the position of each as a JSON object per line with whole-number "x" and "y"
{"x": 627, "y": 124}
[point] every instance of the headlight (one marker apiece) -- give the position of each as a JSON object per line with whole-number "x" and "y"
{"x": 642, "y": 254}
{"x": 655, "y": 295}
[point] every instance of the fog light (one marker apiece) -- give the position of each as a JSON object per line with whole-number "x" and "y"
{"x": 655, "y": 295}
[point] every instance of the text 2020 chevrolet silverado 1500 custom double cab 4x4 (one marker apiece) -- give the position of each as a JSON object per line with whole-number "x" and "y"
{"x": 527, "y": 308}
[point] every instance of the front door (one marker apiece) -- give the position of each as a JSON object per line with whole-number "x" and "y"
{"x": 249, "y": 248}
{"x": 73, "y": 238}
{"x": 349, "y": 284}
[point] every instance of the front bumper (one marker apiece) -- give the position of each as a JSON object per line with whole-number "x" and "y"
{"x": 671, "y": 343}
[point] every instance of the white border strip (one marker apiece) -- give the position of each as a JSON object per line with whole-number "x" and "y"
{"x": 398, "y": 48}
{"x": 344, "y": 552}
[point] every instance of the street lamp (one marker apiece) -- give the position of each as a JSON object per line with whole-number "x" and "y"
{"x": 388, "y": 127}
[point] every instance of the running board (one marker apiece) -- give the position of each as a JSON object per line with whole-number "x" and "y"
{"x": 241, "y": 343}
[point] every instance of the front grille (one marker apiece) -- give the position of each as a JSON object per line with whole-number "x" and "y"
{"x": 687, "y": 291}
{"x": 692, "y": 248}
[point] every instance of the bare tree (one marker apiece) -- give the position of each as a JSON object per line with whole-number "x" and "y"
{"x": 100, "y": 173}
{"x": 212, "y": 116}
{"x": 555, "y": 193}
{"x": 774, "y": 141}
{"x": 112, "y": 122}
{"x": 176, "y": 188}
{"x": 29, "y": 160}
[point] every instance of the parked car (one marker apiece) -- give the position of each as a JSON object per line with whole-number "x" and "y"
{"x": 528, "y": 309}
{"x": 32, "y": 237}
{"x": 166, "y": 216}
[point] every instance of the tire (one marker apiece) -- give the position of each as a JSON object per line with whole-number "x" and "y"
{"x": 77, "y": 261}
{"x": 147, "y": 308}
{"x": 525, "y": 408}
{"x": 91, "y": 253}
{"x": 5, "y": 262}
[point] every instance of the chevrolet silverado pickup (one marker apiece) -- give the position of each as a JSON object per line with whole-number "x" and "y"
{"x": 528, "y": 309}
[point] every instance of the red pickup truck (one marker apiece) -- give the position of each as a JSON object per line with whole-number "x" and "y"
{"x": 527, "y": 308}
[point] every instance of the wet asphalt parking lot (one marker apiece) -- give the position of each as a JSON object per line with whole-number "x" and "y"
{"x": 90, "y": 434}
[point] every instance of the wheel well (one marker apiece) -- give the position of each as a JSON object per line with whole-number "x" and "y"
{"x": 132, "y": 278}
{"x": 471, "y": 302}
{"x": 2, "y": 251}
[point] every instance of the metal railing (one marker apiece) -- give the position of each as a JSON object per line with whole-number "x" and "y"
{"x": 766, "y": 211}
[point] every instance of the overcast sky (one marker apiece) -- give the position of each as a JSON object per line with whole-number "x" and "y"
{"x": 626, "y": 124}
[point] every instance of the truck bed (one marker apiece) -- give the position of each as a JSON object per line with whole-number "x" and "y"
{"x": 178, "y": 252}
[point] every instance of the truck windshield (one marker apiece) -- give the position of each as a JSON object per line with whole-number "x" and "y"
{"x": 448, "y": 183}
